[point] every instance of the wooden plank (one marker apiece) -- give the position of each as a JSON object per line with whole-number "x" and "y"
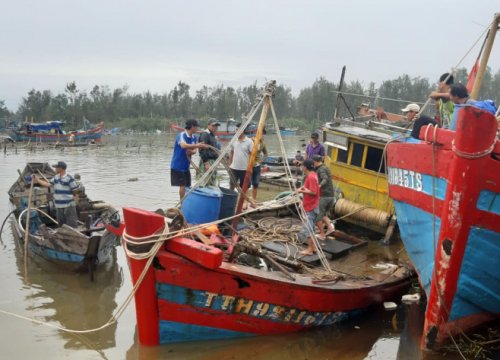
{"x": 291, "y": 252}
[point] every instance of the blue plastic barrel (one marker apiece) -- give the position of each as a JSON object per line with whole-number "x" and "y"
{"x": 228, "y": 204}
{"x": 202, "y": 205}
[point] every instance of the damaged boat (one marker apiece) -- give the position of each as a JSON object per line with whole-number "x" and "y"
{"x": 81, "y": 248}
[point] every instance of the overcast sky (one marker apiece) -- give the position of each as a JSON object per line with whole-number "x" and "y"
{"x": 152, "y": 44}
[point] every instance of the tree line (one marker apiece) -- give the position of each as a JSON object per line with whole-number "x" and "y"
{"x": 312, "y": 107}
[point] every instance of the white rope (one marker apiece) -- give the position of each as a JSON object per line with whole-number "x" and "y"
{"x": 299, "y": 206}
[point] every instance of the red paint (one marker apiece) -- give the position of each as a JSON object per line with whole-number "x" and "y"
{"x": 476, "y": 131}
{"x": 116, "y": 230}
{"x": 466, "y": 178}
{"x": 140, "y": 223}
{"x": 204, "y": 255}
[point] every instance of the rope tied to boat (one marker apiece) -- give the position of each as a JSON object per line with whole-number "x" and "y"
{"x": 472, "y": 155}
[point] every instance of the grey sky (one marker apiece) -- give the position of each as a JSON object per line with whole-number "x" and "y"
{"x": 154, "y": 44}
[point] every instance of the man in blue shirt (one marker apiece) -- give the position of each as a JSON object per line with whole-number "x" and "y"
{"x": 185, "y": 146}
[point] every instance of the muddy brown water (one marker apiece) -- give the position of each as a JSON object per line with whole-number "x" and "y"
{"x": 70, "y": 300}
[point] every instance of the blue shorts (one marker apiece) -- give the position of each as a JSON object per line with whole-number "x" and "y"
{"x": 256, "y": 176}
{"x": 311, "y": 222}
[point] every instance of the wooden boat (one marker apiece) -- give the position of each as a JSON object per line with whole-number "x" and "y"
{"x": 78, "y": 249}
{"x": 52, "y": 132}
{"x": 448, "y": 208}
{"x": 354, "y": 150}
{"x": 189, "y": 290}
{"x": 354, "y": 153}
{"x": 225, "y": 131}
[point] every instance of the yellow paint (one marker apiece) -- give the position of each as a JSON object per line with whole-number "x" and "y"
{"x": 358, "y": 184}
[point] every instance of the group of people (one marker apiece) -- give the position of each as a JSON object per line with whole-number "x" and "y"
{"x": 186, "y": 144}
{"x": 449, "y": 97}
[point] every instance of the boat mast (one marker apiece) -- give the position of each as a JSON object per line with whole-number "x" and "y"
{"x": 267, "y": 93}
{"x": 339, "y": 94}
{"x": 484, "y": 59}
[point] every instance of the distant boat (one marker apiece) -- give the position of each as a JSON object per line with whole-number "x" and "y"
{"x": 52, "y": 132}
{"x": 284, "y": 131}
{"x": 226, "y": 130}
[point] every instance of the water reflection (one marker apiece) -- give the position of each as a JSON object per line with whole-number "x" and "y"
{"x": 70, "y": 300}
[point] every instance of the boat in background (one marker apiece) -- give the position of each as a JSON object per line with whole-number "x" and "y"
{"x": 225, "y": 131}
{"x": 81, "y": 248}
{"x": 52, "y": 132}
{"x": 284, "y": 131}
{"x": 446, "y": 192}
{"x": 354, "y": 153}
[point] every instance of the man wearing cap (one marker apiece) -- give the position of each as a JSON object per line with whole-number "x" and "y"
{"x": 185, "y": 146}
{"x": 412, "y": 115}
{"x": 209, "y": 155}
{"x": 327, "y": 197}
{"x": 239, "y": 157}
{"x": 65, "y": 188}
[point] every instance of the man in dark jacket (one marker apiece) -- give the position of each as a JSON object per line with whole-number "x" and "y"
{"x": 327, "y": 197}
{"x": 209, "y": 155}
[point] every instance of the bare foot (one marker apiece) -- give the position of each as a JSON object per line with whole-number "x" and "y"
{"x": 307, "y": 252}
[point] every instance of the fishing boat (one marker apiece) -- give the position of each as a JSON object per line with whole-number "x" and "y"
{"x": 192, "y": 287}
{"x": 225, "y": 131}
{"x": 445, "y": 189}
{"x": 81, "y": 248}
{"x": 53, "y": 132}
{"x": 354, "y": 153}
{"x": 286, "y": 131}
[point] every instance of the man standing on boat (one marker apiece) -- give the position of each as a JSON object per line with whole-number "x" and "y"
{"x": 444, "y": 105}
{"x": 240, "y": 155}
{"x": 459, "y": 96}
{"x": 65, "y": 188}
{"x": 209, "y": 155}
{"x": 185, "y": 146}
{"x": 261, "y": 155}
{"x": 310, "y": 202}
{"x": 314, "y": 147}
{"x": 327, "y": 197}
{"x": 412, "y": 115}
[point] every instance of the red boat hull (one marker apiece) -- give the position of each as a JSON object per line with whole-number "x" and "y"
{"x": 191, "y": 294}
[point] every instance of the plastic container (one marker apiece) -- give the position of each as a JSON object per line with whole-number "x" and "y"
{"x": 228, "y": 204}
{"x": 202, "y": 205}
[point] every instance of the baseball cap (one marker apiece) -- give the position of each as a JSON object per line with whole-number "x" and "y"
{"x": 60, "y": 164}
{"x": 317, "y": 157}
{"x": 411, "y": 107}
{"x": 308, "y": 164}
{"x": 214, "y": 123}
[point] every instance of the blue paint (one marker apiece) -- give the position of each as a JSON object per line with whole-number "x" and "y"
{"x": 418, "y": 182}
{"x": 52, "y": 254}
{"x": 416, "y": 227}
{"x": 233, "y": 305}
{"x": 440, "y": 185}
{"x": 478, "y": 287}
{"x": 489, "y": 201}
{"x": 173, "y": 332}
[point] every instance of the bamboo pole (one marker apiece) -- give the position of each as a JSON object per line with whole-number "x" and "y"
{"x": 486, "y": 55}
{"x": 27, "y": 230}
{"x": 268, "y": 92}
